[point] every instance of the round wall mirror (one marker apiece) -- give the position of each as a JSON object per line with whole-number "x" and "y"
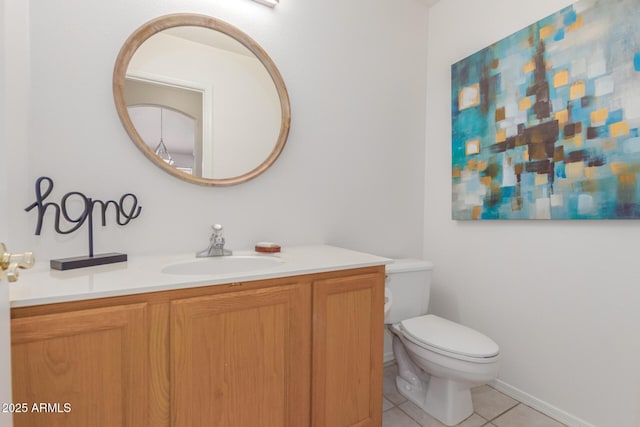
{"x": 201, "y": 99}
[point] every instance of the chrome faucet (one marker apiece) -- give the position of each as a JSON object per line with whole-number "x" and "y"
{"x": 216, "y": 244}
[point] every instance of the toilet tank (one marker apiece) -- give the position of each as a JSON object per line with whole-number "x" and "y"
{"x": 408, "y": 284}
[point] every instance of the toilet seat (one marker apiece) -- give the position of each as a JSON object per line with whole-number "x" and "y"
{"x": 449, "y": 338}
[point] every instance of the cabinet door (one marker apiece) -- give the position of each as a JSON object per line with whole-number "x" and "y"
{"x": 347, "y": 351}
{"x": 82, "y": 368}
{"x": 242, "y": 358}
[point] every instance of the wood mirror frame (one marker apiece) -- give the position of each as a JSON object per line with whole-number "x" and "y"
{"x": 159, "y": 24}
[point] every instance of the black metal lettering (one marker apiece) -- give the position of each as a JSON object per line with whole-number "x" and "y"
{"x": 126, "y": 209}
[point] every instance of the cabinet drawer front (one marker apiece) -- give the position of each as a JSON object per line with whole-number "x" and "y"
{"x": 81, "y": 368}
{"x": 242, "y": 358}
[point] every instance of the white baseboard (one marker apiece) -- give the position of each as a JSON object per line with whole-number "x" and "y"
{"x": 540, "y": 405}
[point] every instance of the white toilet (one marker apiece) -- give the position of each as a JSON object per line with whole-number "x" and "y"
{"x": 439, "y": 361}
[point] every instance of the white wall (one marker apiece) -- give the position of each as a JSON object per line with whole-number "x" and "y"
{"x": 560, "y": 298}
{"x": 351, "y": 174}
{"x": 4, "y": 188}
{"x": 14, "y": 99}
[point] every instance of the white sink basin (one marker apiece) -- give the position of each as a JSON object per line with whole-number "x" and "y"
{"x": 223, "y": 265}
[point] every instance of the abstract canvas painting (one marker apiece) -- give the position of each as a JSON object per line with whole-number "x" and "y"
{"x": 545, "y": 123}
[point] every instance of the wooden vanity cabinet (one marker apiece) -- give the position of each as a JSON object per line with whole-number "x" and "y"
{"x": 81, "y": 368}
{"x": 297, "y": 351}
{"x": 241, "y": 358}
{"x": 348, "y": 325}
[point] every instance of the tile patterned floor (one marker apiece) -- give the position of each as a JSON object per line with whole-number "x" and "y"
{"x": 492, "y": 409}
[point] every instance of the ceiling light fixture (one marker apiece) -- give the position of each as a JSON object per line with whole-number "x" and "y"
{"x": 270, "y": 3}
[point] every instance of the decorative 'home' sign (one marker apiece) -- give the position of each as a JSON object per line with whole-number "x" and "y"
{"x": 125, "y": 209}
{"x": 545, "y": 123}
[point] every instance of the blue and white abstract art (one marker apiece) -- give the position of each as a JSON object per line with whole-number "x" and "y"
{"x": 545, "y": 123}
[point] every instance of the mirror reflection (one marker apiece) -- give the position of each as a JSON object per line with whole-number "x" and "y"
{"x": 201, "y": 104}
{"x": 171, "y": 134}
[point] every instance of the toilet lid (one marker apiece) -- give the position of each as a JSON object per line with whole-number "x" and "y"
{"x": 449, "y": 336}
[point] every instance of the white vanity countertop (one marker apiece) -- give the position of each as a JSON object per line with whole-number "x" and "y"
{"x": 142, "y": 274}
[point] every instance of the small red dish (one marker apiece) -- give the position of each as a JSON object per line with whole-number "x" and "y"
{"x": 267, "y": 247}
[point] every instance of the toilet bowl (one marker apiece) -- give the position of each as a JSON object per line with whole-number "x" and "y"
{"x": 439, "y": 361}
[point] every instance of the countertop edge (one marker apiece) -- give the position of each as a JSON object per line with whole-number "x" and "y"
{"x": 183, "y": 282}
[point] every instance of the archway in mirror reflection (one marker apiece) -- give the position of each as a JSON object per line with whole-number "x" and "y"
{"x": 218, "y": 82}
{"x": 175, "y": 130}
